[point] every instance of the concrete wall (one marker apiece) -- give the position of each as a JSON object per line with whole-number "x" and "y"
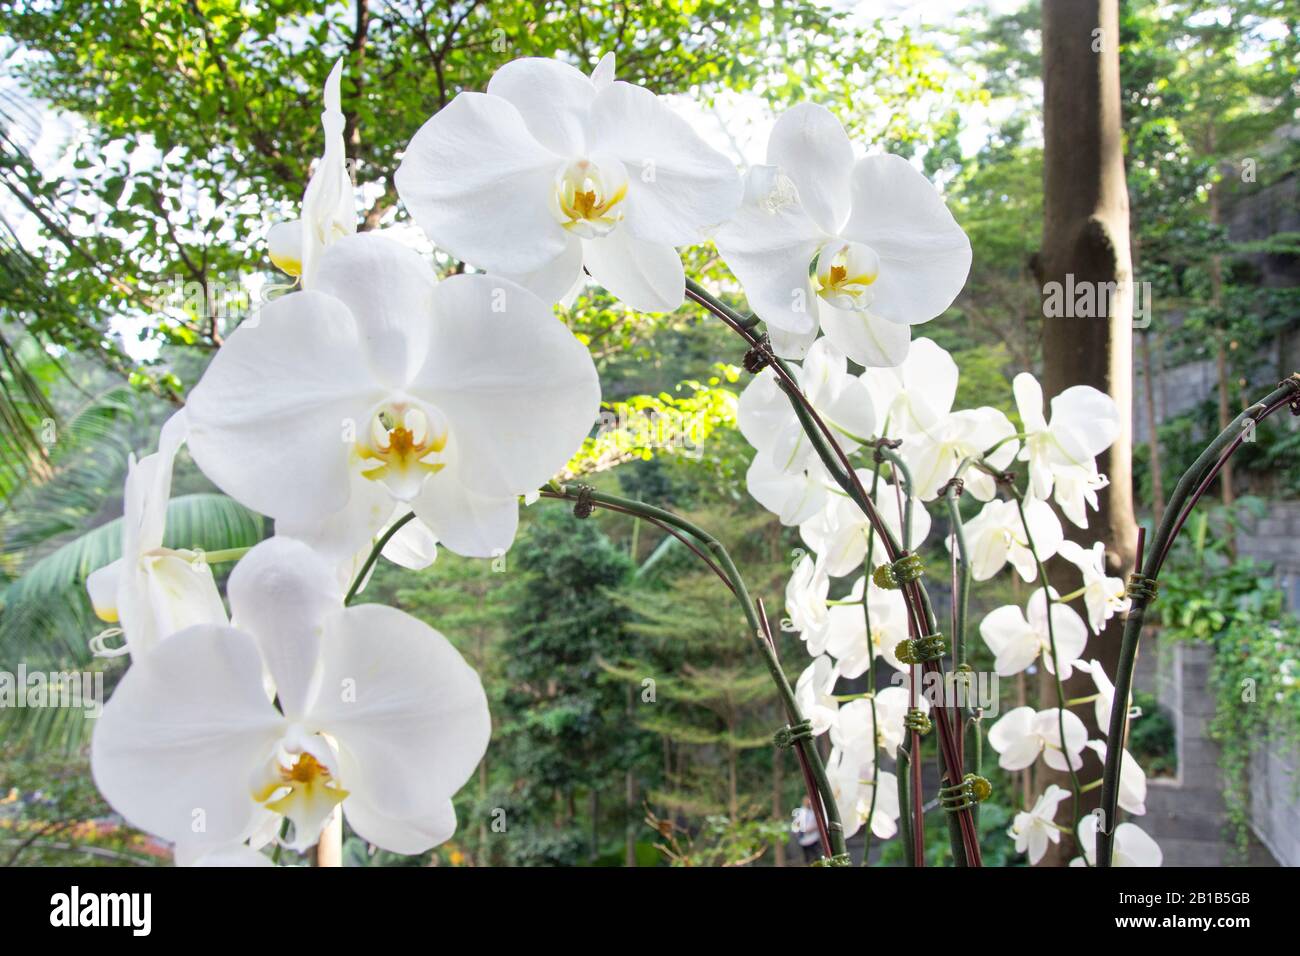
{"x": 1274, "y": 808}
{"x": 1186, "y": 813}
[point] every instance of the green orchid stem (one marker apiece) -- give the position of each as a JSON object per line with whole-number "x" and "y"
{"x": 819, "y": 785}
{"x": 1072, "y": 596}
{"x": 218, "y": 557}
{"x": 1089, "y": 787}
{"x": 1056, "y": 664}
{"x": 902, "y": 764}
{"x": 375, "y": 552}
{"x": 961, "y": 591}
{"x": 1188, "y": 491}
{"x": 279, "y": 843}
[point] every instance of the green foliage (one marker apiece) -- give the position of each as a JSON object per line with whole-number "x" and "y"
{"x": 643, "y": 426}
{"x": 1151, "y": 739}
{"x": 52, "y": 815}
{"x": 562, "y": 729}
{"x": 186, "y": 187}
{"x": 719, "y": 841}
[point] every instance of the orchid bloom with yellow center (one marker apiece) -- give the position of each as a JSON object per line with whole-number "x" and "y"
{"x": 374, "y": 714}
{"x": 382, "y": 391}
{"x": 552, "y": 173}
{"x": 862, "y": 248}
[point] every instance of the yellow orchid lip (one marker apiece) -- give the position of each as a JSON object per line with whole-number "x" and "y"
{"x": 287, "y": 264}
{"x": 310, "y": 796}
{"x": 588, "y": 197}
{"x": 404, "y": 445}
{"x": 845, "y": 275}
{"x": 108, "y": 615}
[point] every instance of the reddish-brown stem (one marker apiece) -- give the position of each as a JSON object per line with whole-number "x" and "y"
{"x": 819, "y": 811}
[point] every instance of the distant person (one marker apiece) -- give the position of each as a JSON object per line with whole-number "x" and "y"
{"x": 804, "y": 827}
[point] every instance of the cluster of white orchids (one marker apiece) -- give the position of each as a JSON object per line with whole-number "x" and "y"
{"x": 379, "y": 409}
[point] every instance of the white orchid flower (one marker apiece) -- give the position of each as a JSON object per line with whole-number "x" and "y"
{"x": 805, "y": 598}
{"x": 851, "y": 731}
{"x": 412, "y": 545}
{"x": 1132, "y": 780}
{"x": 1018, "y": 639}
{"x": 1132, "y": 845}
{"x": 850, "y": 775}
{"x": 1085, "y": 422}
{"x": 852, "y": 728}
{"x": 551, "y": 171}
{"x": 933, "y": 457}
{"x": 1075, "y": 491}
{"x": 913, "y": 398}
{"x": 1103, "y": 596}
{"x": 374, "y": 712}
{"x": 814, "y": 692}
{"x": 230, "y": 855}
{"x": 152, "y": 591}
{"x": 793, "y": 497}
{"x": 915, "y": 402}
{"x": 892, "y": 705}
{"x": 839, "y": 532}
{"x": 329, "y": 207}
{"x": 1020, "y": 735}
{"x": 847, "y": 639}
{"x": 1034, "y": 829}
{"x": 1105, "y": 693}
{"x": 811, "y": 614}
{"x": 997, "y": 535}
{"x": 865, "y": 248}
{"x": 768, "y": 420}
{"x": 382, "y": 388}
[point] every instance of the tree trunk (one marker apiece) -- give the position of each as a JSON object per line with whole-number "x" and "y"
{"x": 1086, "y": 240}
